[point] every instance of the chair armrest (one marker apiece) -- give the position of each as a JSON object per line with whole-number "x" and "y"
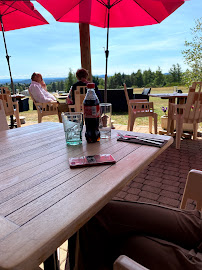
{"x": 53, "y": 103}
{"x": 177, "y": 106}
{"x": 125, "y": 263}
{"x": 176, "y": 109}
{"x": 132, "y": 101}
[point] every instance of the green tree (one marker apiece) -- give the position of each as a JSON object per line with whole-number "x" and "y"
{"x": 71, "y": 79}
{"x": 193, "y": 55}
{"x": 58, "y": 86}
{"x": 139, "y": 78}
{"x": 132, "y": 78}
{"x": 61, "y": 85}
{"x": 101, "y": 84}
{"x": 53, "y": 87}
{"x": 96, "y": 80}
{"x": 126, "y": 79}
{"x": 111, "y": 84}
{"x": 175, "y": 74}
{"x": 159, "y": 78}
{"x": 49, "y": 87}
{"x": 118, "y": 80}
{"x": 148, "y": 77}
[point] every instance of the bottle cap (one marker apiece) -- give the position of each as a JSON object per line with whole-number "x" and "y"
{"x": 91, "y": 85}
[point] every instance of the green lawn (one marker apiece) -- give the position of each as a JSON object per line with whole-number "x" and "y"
{"x": 120, "y": 118}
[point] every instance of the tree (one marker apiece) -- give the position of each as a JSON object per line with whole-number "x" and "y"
{"x": 101, "y": 83}
{"x": 111, "y": 82}
{"x": 96, "y": 80}
{"x": 175, "y": 74}
{"x": 132, "y": 78}
{"x": 159, "y": 78}
{"x": 126, "y": 79}
{"x": 193, "y": 55}
{"x": 71, "y": 79}
{"x": 139, "y": 78}
{"x": 58, "y": 86}
{"x": 53, "y": 87}
{"x": 118, "y": 80}
{"x": 148, "y": 77}
{"x": 61, "y": 86}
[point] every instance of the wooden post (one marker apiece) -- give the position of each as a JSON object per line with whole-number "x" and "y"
{"x": 84, "y": 31}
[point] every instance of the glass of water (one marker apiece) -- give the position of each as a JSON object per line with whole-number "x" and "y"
{"x": 105, "y": 120}
{"x": 73, "y": 126}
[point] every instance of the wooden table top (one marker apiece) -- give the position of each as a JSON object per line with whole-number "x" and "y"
{"x": 169, "y": 95}
{"x": 42, "y": 201}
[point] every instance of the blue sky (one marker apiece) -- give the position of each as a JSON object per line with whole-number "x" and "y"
{"x": 53, "y": 49}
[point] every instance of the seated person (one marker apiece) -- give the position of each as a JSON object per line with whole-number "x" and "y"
{"x": 40, "y": 94}
{"x": 155, "y": 236}
{"x": 82, "y": 75}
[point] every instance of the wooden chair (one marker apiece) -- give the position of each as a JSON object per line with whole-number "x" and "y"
{"x": 11, "y": 108}
{"x": 191, "y": 112}
{"x": 140, "y": 108}
{"x": 125, "y": 263}
{"x": 44, "y": 109}
{"x": 79, "y": 95}
{"x": 193, "y": 189}
{"x": 3, "y": 121}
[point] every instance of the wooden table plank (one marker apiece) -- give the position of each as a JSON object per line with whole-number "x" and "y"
{"x": 47, "y": 201}
{"x": 6, "y": 227}
{"x": 43, "y": 182}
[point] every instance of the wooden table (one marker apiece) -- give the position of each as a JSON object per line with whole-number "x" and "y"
{"x": 171, "y": 97}
{"x": 42, "y": 201}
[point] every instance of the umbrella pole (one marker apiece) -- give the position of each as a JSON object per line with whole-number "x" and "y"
{"x": 7, "y": 56}
{"x": 106, "y": 54}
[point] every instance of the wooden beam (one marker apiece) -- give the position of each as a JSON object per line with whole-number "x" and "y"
{"x": 84, "y": 31}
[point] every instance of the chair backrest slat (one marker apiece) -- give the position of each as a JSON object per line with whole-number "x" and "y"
{"x": 5, "y": 95}
{"x": 79, "y": 96}
{"x": 3, "y": 121}
{"x": 193, "y": 108}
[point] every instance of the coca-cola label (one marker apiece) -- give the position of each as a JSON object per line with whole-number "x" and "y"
{"x": 92, "y": 111}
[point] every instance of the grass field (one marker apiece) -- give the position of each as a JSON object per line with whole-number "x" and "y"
{"x": 31, "y": 116}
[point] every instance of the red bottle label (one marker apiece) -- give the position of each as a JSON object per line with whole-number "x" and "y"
{"x": 92, "y": 111}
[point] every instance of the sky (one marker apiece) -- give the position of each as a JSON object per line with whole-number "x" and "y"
{"x": 54, "y": 49}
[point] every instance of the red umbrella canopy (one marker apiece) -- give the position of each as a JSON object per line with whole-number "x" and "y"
{"x": 19, "y": 14}
{"x": 123, "y": 13}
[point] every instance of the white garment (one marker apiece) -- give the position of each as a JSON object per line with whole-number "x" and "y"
{"x": 39, "y": 94}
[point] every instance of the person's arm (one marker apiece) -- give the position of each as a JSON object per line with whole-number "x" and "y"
{"x": 43, "y": 85}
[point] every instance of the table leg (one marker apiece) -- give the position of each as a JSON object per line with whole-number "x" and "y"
{"x": 52, "y": 263}
{"x": 12, "y": 122}
{"x": 171, "y": 128}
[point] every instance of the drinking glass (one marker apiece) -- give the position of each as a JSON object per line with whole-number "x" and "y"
{"x": 105, "y": 120}
{"x": 73, "y": 126}
{"x": 174, "y": 89}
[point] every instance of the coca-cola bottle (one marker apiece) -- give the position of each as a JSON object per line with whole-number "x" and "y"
{"x": 91, "y": 114}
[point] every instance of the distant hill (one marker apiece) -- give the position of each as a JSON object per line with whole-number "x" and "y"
{"x": 47, "y": 80}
